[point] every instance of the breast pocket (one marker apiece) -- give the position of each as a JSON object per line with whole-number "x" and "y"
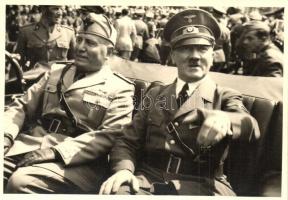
{"x": 154, "y": 128}
{"x": 62, "y": 44}
{"x": 50, "y": 99}
{"x": 62, "y": 48}
{"x": 34, "y": 43}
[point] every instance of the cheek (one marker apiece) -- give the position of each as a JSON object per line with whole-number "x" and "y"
{"x": 97, "y": 55}
{"x": 93, "y": 54}
{"x": 177, "y": 57}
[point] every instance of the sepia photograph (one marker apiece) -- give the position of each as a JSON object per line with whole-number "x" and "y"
{"x": 130, "y": 98}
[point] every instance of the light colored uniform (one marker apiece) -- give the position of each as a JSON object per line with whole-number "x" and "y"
{"x": 126, "y": 34}
{"x": 36, "y": 44}
{"x": 100, "y": 101}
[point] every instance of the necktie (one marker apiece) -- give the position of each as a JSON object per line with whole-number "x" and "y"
{"x": 183, "y": 95}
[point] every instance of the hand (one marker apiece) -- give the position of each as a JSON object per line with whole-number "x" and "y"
{"x": 7, "y": 144}
{"x": 38, "y": 156}
{"x": 112, "y": 184}
{"x": 215, "y": 127}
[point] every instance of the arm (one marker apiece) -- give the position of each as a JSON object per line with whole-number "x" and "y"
{"x": 274, "y": 69}
{"x": 123, "y": 154}
{"x": 133, "y": 34}
{"x": 232, "y": 120}
{"x": 24, "y": 108}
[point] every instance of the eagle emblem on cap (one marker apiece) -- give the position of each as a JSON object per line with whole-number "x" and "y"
{"x": 87, "y": 22}
{"x": 189, "y": 18}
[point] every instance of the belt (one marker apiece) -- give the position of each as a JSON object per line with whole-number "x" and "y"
{"x": 60, "y": 125}
{"x": 173, "y": 164}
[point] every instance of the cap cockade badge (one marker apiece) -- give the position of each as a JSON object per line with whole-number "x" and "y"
{"x": 190, "y": 29}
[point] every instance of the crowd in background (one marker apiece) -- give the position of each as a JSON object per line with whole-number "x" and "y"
{"x": 146, "y": 31}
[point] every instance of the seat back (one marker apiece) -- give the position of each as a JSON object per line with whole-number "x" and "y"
{"x": 246, "y": 161}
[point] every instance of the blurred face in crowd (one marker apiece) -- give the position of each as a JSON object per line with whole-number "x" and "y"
{"x": 53, "y": 14}
{"x": 91, "y": 52}
{"x": 193, "y": 61}
{"x": 35, "y": 17}
{"x": 250, "y": 41}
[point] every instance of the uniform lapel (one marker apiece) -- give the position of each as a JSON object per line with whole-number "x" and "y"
{"x": 68, "y": 78}
{"x": 92, "y": 79}
{"x": 205, "y": 91}
{"x": 168, "y": 96}
{"x": 41, "y": 32}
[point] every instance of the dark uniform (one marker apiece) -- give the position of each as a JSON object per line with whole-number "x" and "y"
{"x": 268, "y": 62}
{"x": 36, "y": 44}
{"x": 261, "y": 56}
{"x": 160, "y": 146}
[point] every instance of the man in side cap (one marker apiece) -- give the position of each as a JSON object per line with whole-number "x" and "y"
{"x": 178, "y": 143}
{"x": 74, "y": 114}
{"x": 46, "y": 40}
{"x": 263, "y": 57}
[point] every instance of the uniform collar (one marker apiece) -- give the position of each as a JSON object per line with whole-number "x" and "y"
{"x": 205, "y": 91}
{"x": 207, "y": 88}
{"x": 180, "y": 83}
{"x": 91, "y": 79}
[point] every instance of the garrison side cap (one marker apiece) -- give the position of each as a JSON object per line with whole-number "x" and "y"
{"x": 256, "y": 25}
{"x": 99, "y": 25}
{"x": 192, "y": 26}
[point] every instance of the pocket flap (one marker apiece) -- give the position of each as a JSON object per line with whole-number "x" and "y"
{"x": 62, "y": 44}
{"x": 51, "y": 88}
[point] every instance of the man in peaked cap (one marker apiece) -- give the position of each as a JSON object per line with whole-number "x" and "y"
{"x": 74, "y": 114}
{"x": 178, "y": 143}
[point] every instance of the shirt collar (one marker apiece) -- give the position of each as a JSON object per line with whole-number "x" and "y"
{"x": 192, "y": 86}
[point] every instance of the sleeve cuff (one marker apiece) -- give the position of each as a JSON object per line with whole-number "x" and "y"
{"x": 124, "y": 164}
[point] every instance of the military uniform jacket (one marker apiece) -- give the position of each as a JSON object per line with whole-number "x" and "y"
{"x": 268, "y": 62}
{"x": 148, "y": 134}
{"x": 101, "y": 100}
{"x": 36, "y": 44}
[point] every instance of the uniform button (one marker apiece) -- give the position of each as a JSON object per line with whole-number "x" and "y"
{"x": 64, "y": 129}
{"x": 176, "y": 124}
{"x": 172, "y": 141}
{"x": 50, "y": 50}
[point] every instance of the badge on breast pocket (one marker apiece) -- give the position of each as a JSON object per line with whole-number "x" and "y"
{"x": 96, "y": 98}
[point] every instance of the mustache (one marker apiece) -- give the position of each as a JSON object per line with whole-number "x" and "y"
{"x": 194, "y": 62}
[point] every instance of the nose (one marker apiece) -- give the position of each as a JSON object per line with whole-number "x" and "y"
{"x": 81, "y": 45}
{"x": 194, "y": 54}
{"x": 58, "y": 11}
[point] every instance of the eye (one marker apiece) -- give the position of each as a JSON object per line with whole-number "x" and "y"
{"x": 203, "y": 48}
{"x": 183, "y": 48}
{"x": 91, "y": 43}
{"x": 79, "y": 40}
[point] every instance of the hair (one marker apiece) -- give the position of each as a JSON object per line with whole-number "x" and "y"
{"x": 124, "y": 12}
{"x": 262, "y": 34}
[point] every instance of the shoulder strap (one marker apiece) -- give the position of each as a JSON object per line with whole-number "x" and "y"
{"x": 63, "y": 104}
